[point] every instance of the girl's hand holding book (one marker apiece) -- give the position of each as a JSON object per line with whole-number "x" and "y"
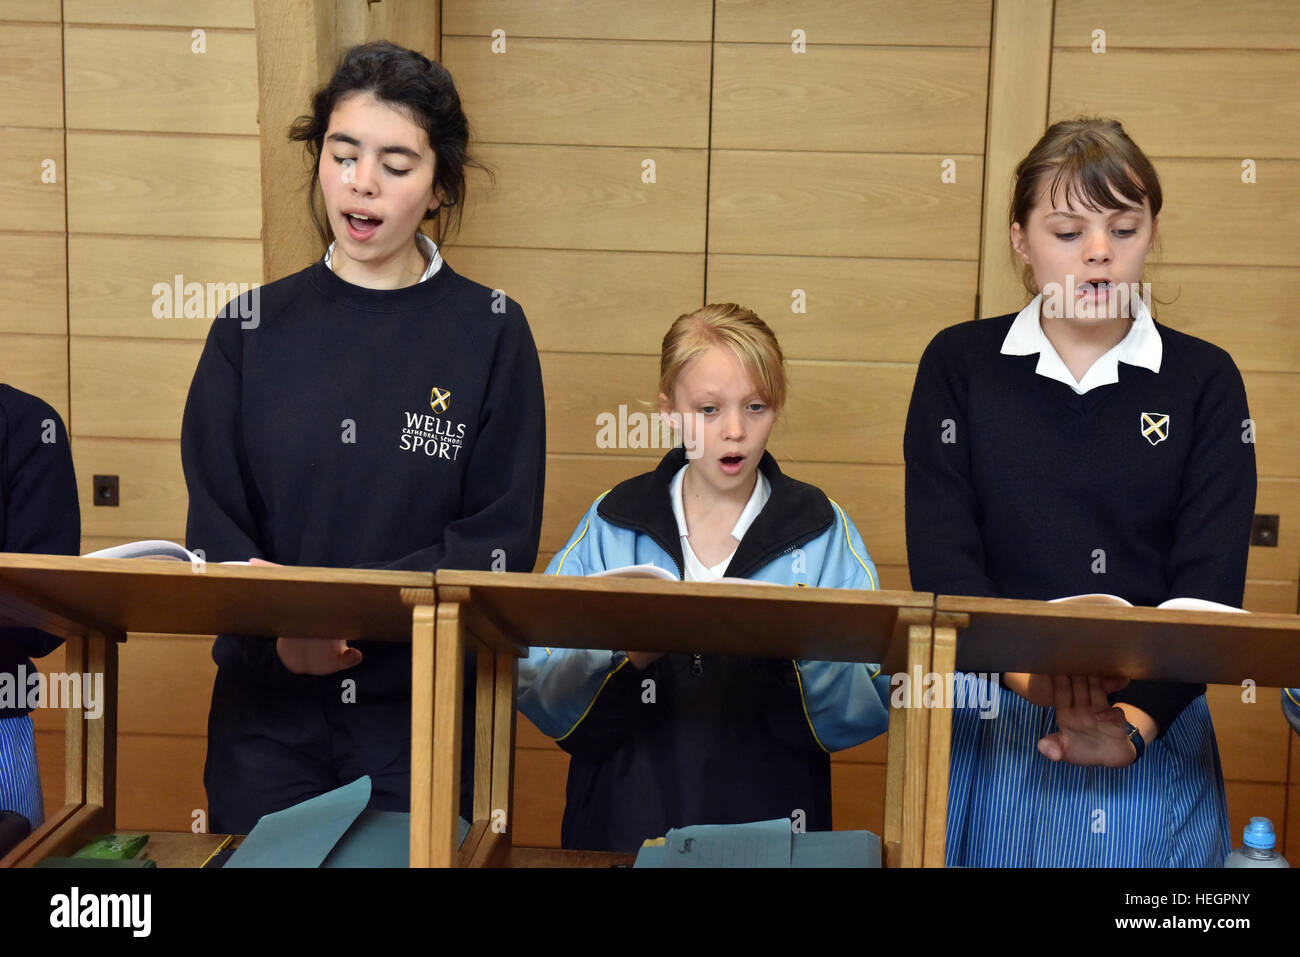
{"x": 313, "y": 656}
{"x": 1042, "y": 689}
{"x": 1091, "y": 731}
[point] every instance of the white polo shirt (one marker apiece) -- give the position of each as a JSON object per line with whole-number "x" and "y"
{"x": 427, "y": 246}
{"x": 1140, "y": 347}
{"x": 695, "y": 570}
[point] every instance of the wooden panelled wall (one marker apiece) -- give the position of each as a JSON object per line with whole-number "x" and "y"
{"x": 776, "y": 174}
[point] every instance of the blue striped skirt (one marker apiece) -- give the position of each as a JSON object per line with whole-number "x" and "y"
{"x": 20, "y": 777}
{"x": 1008, "y": 806}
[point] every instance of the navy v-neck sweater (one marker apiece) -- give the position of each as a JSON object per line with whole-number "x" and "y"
{"x": 1018, "y": 487}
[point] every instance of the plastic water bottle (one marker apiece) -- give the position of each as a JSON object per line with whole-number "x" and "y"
{"x": 1258, "y": 851}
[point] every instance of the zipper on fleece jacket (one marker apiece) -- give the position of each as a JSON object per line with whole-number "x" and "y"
{"x": 697, "y": 667}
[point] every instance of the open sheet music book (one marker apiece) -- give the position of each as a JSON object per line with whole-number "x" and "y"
{"x": 156, "y": 549}
{"x": 1185, "y": 604}
{"x": 654, "y": 571}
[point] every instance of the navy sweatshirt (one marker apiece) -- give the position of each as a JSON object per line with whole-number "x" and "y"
{"x": 348, "y": 427}
{"x": 1018, "y": 487}
{"x": 38, "y": 508}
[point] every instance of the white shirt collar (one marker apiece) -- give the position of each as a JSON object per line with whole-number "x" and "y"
{"x": 429, "y": 247}
{"x": 1141, "y": 346}
{"x": 696, "y": 570}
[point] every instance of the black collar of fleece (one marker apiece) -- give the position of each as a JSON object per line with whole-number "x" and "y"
{"x": 795, "y": 513}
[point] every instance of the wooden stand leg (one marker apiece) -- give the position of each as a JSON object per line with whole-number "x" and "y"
{"x": 448, "y": 702}
{"x": 90, "y": 763}
{"x": 75, "y": 659}
{"x": 895, "y": 774}
{"x": 917, "y": 737}
{"x": 101, "y": 732}
{"x": 479, "y": 815}
{"x": 22, "y": 856}
{"x": 943, "y": 662}
{"x": 503, "y": 740}
{"x": 483, "y": 732}
{"x": 495, "y": 846}
{"x": 68, "y": 834}
{"x": 422, "y": 674}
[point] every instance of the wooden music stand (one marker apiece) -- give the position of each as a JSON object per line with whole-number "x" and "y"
{"x": 93, "y": 602}
{"x": 1006, "y": 635}
{"x": 504, "y": 613}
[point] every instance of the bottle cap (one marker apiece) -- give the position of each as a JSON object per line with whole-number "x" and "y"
{"x": 1259, "y": 833}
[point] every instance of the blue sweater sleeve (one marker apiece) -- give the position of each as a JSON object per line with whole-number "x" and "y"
{"x": 844, "y": 702}
{"x": 559, "y": 688}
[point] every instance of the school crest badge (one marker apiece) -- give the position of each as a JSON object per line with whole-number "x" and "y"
{"x": 1155, "y": 426}
{"x": 440, "y": 399}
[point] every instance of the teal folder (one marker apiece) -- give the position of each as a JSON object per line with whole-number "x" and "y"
{"x": 334, "y": 829}
{"x": 760, "y": 844}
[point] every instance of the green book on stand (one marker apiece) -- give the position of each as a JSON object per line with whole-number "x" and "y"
{"x": 75, "y": 862}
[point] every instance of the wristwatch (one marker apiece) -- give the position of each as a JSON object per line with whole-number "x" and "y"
{"x": 1135, "y": 738}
